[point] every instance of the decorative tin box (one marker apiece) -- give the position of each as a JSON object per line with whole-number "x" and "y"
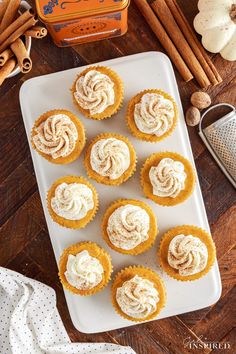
{"x": 79, "y": 21}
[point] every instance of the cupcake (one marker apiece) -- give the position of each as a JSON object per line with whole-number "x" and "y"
{"x": 138, "y": 294}
{"x": 152, "y": 115}
{"x": 167, "y": 178}
{"x": 110, "y": 159}
{"x": 85, "y": 268}
{"x": 58, "y": 136}
{"x": 72, "y": 202}
{"x": 98, "y": 92}
{"x": 187, "y": 252}
{"x": 129, "y": 226}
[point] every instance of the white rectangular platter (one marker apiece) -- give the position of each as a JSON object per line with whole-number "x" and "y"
{"x": 148, "y": 70}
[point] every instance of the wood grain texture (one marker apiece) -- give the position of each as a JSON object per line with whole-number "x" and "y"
{"x": 24, "y": 241}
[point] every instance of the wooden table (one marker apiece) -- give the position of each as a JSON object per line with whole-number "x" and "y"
{"x": 24, "y": 241}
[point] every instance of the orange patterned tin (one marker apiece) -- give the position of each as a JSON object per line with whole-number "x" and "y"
{"x": 79, "y": 21}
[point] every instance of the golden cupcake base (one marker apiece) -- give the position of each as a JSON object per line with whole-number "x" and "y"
{"x": 154, "y": 160}
{"x": 131, "y": 122}
{"x": 72, "y": 224}
{"x": 152, "y": 233}
{"x": 94, "y": 251}
{"x": 104, "y": 179}
{"x": 147, "y": 273}
{"x": 80, "y": 143}
{"x": 186, "y": 230}
{"x": 118, "y": 90}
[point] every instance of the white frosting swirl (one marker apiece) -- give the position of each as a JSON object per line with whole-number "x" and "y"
{"x": 94, "y": 91}
{"x": 187, "y": 254}
{"x": 72, "y": 201}
{"x": 137, "y": 297}
{"x": 83, "y": 271}
{"x": 154, "y": 114}
{"x": 167, "y": 178}
{"x": 110, "y": 157}
{"x": 56, "y": 136}
{"x": 128, "y": 226}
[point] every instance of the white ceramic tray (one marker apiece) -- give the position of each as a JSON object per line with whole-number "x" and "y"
{"x": 148, "y": 70}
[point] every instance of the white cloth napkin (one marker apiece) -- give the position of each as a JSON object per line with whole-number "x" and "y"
{"x": 30, "y": 322}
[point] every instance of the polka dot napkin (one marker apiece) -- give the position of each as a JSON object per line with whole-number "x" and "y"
{"x": 30, "y": 322}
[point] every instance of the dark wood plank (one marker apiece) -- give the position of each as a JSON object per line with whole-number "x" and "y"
{"x": 140, "y": 340}
{"x": 227, "y": 344}
{"x": 21, "y": 228}
{"x": 41, "y": 251}
{"x": 218, "y": 192}
{"x": 100, "y": 52}
{"x": 24, "y": 265}
{"x": 56, "y": 59}
{"x": 14, "y": 147}
{"x": 227, "y": 267}
{"x": 172, "y": 333}
{"x": 221, "y": 318}
{"x": 13, "y": 193}
{"x": 224, "y": 232}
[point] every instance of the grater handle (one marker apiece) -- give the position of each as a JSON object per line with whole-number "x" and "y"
{"x": 210, "y": 109}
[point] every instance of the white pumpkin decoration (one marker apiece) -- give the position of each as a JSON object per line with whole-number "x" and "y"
{"x": 216, "y": 22}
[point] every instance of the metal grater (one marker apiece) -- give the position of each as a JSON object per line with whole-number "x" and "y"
{"x": 220, "y": 139}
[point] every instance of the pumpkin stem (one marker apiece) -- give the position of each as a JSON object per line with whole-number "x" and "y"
{"x": 233, "y": 13}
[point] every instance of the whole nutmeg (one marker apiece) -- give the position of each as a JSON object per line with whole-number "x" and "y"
{"x": 200, "y": 100}
{"x": 193, "y": 116}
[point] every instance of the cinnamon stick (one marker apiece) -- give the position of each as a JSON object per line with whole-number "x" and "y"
{"x": 20, "y": 29}
{"x": 164, "y": 39}
{"x": 192, "y": 39}
{"x": 10, "y": 14}
{"x": 21, "y": 20}
{"x": 7, "y": 69}
{"x": 23, "y": 59}
{"x": 36, "y": 32}
{"x": 3, "y": 6}
{"x": 163, "y": 12}
{"x": 4, "y": 56}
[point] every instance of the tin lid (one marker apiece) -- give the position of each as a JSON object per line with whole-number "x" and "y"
{"x": 58, "y": 10}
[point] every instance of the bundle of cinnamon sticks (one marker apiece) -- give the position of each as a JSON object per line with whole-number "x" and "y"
{"x": 179, "y": 40}
{"x": 15, "y": 26}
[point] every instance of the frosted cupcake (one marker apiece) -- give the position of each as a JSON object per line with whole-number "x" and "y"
{"x": 129, "y": 226}
{"x": 98, "y": 92}
{"x": 110, "y": 159}
{"x": 72, "y": 202}
{"x": 58, "y": 136}
{"x": 187, "y": 252}
{"x": 85, "y": 268}
{"x": 138, "y": 294}
{"x": 152, "y": 115}
{"x": 167, "y": 178}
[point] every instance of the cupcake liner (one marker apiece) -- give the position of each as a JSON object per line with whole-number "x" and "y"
{"x": 127, "y": 274}
{"x": 186, "y": 230}
{"x": 72, "y": 224}
{"x": 103, "y": 179}
{"x": 79, "y": 144}
{"x": 119, "y": 93}
{"x": 95, "y": 251}
{"x": 153, "y": 160}
{"x": 153, "y": 230}
{"x": 132, "y": 125}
